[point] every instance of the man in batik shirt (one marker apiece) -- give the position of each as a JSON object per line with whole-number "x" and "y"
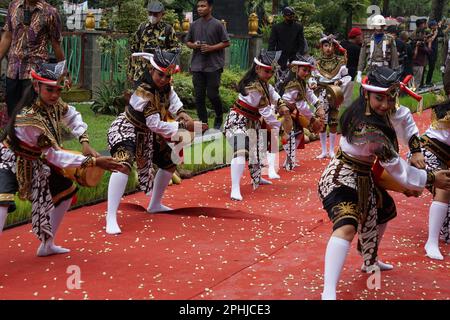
{"x": 151, "y": 35}
{"x": 31, "y": 25}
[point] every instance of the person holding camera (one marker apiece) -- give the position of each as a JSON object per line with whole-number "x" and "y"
{"x": 422, "y": 40}
{"x": 31, "y": 25}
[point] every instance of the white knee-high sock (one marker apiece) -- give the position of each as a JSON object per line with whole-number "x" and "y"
{"x": 323, "y": 143}
{"x": 116, "y": 188}
{"x": 332, "y": 143}
{"x": 3, "y": 216}
{"x": 438, "y": 212}
{"x": 237, "y": 170}
{"x": 160, "y": 184}
{"x": 271, "y": 160}
{"x": 337, "y": 250}
{"x": 48, "y": 247}
{"x": 58, "y": 214}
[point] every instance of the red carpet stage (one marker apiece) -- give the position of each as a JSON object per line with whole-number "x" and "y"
{"x": 269, "y": 246}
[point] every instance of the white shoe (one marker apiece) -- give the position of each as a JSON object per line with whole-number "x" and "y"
{"x": 328, "y": 296}
{"x": 382, "y": 265}
{"x": 332, "y": 155}
{"x": 160, "y": 208}
{"x": 273, "y": 175}
{"x": 112, "y": 227}
{"x": 433, "y": 252}
{"x": 45, "y": 250}
{"x": 236, "y": 196}
{"x": 322, "y": 156}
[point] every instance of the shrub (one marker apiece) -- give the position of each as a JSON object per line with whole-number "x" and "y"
{"x": 109, "y": 97}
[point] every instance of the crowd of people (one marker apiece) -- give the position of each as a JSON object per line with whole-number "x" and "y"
{"x": 308, "y": 94}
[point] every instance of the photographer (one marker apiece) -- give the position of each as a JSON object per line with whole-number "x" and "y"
{"x": 422, "y": 41}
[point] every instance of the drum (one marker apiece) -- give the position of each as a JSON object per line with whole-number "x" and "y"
{"x": 300, "y": 119}
{"x": 384, "y": 180}
{"x": 334, "y": 94}
{"x": 86, "y": 177}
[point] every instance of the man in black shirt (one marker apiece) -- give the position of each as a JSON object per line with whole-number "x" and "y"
{"x": 208, "y": 38}
{"x": 353, "y": 47}
{"x": 288, "y": 37}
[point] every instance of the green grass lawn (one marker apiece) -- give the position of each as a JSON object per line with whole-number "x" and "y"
{"x": 98, "y": 125}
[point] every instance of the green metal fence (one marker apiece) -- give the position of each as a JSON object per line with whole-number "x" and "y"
{"x": 73, "y": 51}
{"x": 114, "y": 62}
{"x": 239, "y": 52}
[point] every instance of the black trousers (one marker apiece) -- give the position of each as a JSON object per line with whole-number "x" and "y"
{"x": 431, "y": 65}
{"x": 207, "y": 84}
{"x": 15, "y": 89}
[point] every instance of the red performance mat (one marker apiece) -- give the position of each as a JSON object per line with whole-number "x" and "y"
{"x": 269, "y": 246}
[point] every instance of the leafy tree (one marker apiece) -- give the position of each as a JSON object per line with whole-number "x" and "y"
{"x": 130, "y": 15}
{"x": 437, "y": 8}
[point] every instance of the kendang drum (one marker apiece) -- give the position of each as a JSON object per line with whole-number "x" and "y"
{"x": 335, "y": 96}
{"x": 86, "y": 177}
{"x": 300, "y": 119}
{"x": 384, "y": 180}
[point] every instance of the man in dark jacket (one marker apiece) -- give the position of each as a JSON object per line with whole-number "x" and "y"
{"x": 353, "y": 47}
{"x": 288, "y": 37}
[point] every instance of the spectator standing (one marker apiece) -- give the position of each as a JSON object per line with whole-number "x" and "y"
{"x": 287, "y": 37}
{"x": 379, "y": 50}
{"x": 445, "y": 68}
{"x": 432, "y": 58}
{"x": 208, "y": 38}
{"x": 353, "y": 47}
{"x": 422, "y": 49}
{"x": 150, "y": 35}
{"x": 408, "y": 55}
{"x": 31, "y": 25}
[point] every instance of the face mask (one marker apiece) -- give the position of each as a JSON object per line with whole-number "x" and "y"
{"x": 153, "y": 19}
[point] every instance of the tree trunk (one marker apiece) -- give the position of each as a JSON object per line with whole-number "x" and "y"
{"x": 437, "y": 6}
{"x": 349, "y": 23}
{"x": 385, "y": 8}
{"x": 275, "y": 5}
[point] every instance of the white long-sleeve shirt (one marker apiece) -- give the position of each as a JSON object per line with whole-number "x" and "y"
{"x": 253, "y": 99}
{"x": 408, "y": 176}
{"x": 57, "y": 157}
{"x": 154, "y": 121}
{"x": 290, "y": 96}
{"x": 441, "y": 135}
{"x": 404, "y": 125}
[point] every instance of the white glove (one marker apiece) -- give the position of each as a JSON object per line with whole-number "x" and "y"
{"x": 359, "y": 77}
{"x": 442, "y": 69}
